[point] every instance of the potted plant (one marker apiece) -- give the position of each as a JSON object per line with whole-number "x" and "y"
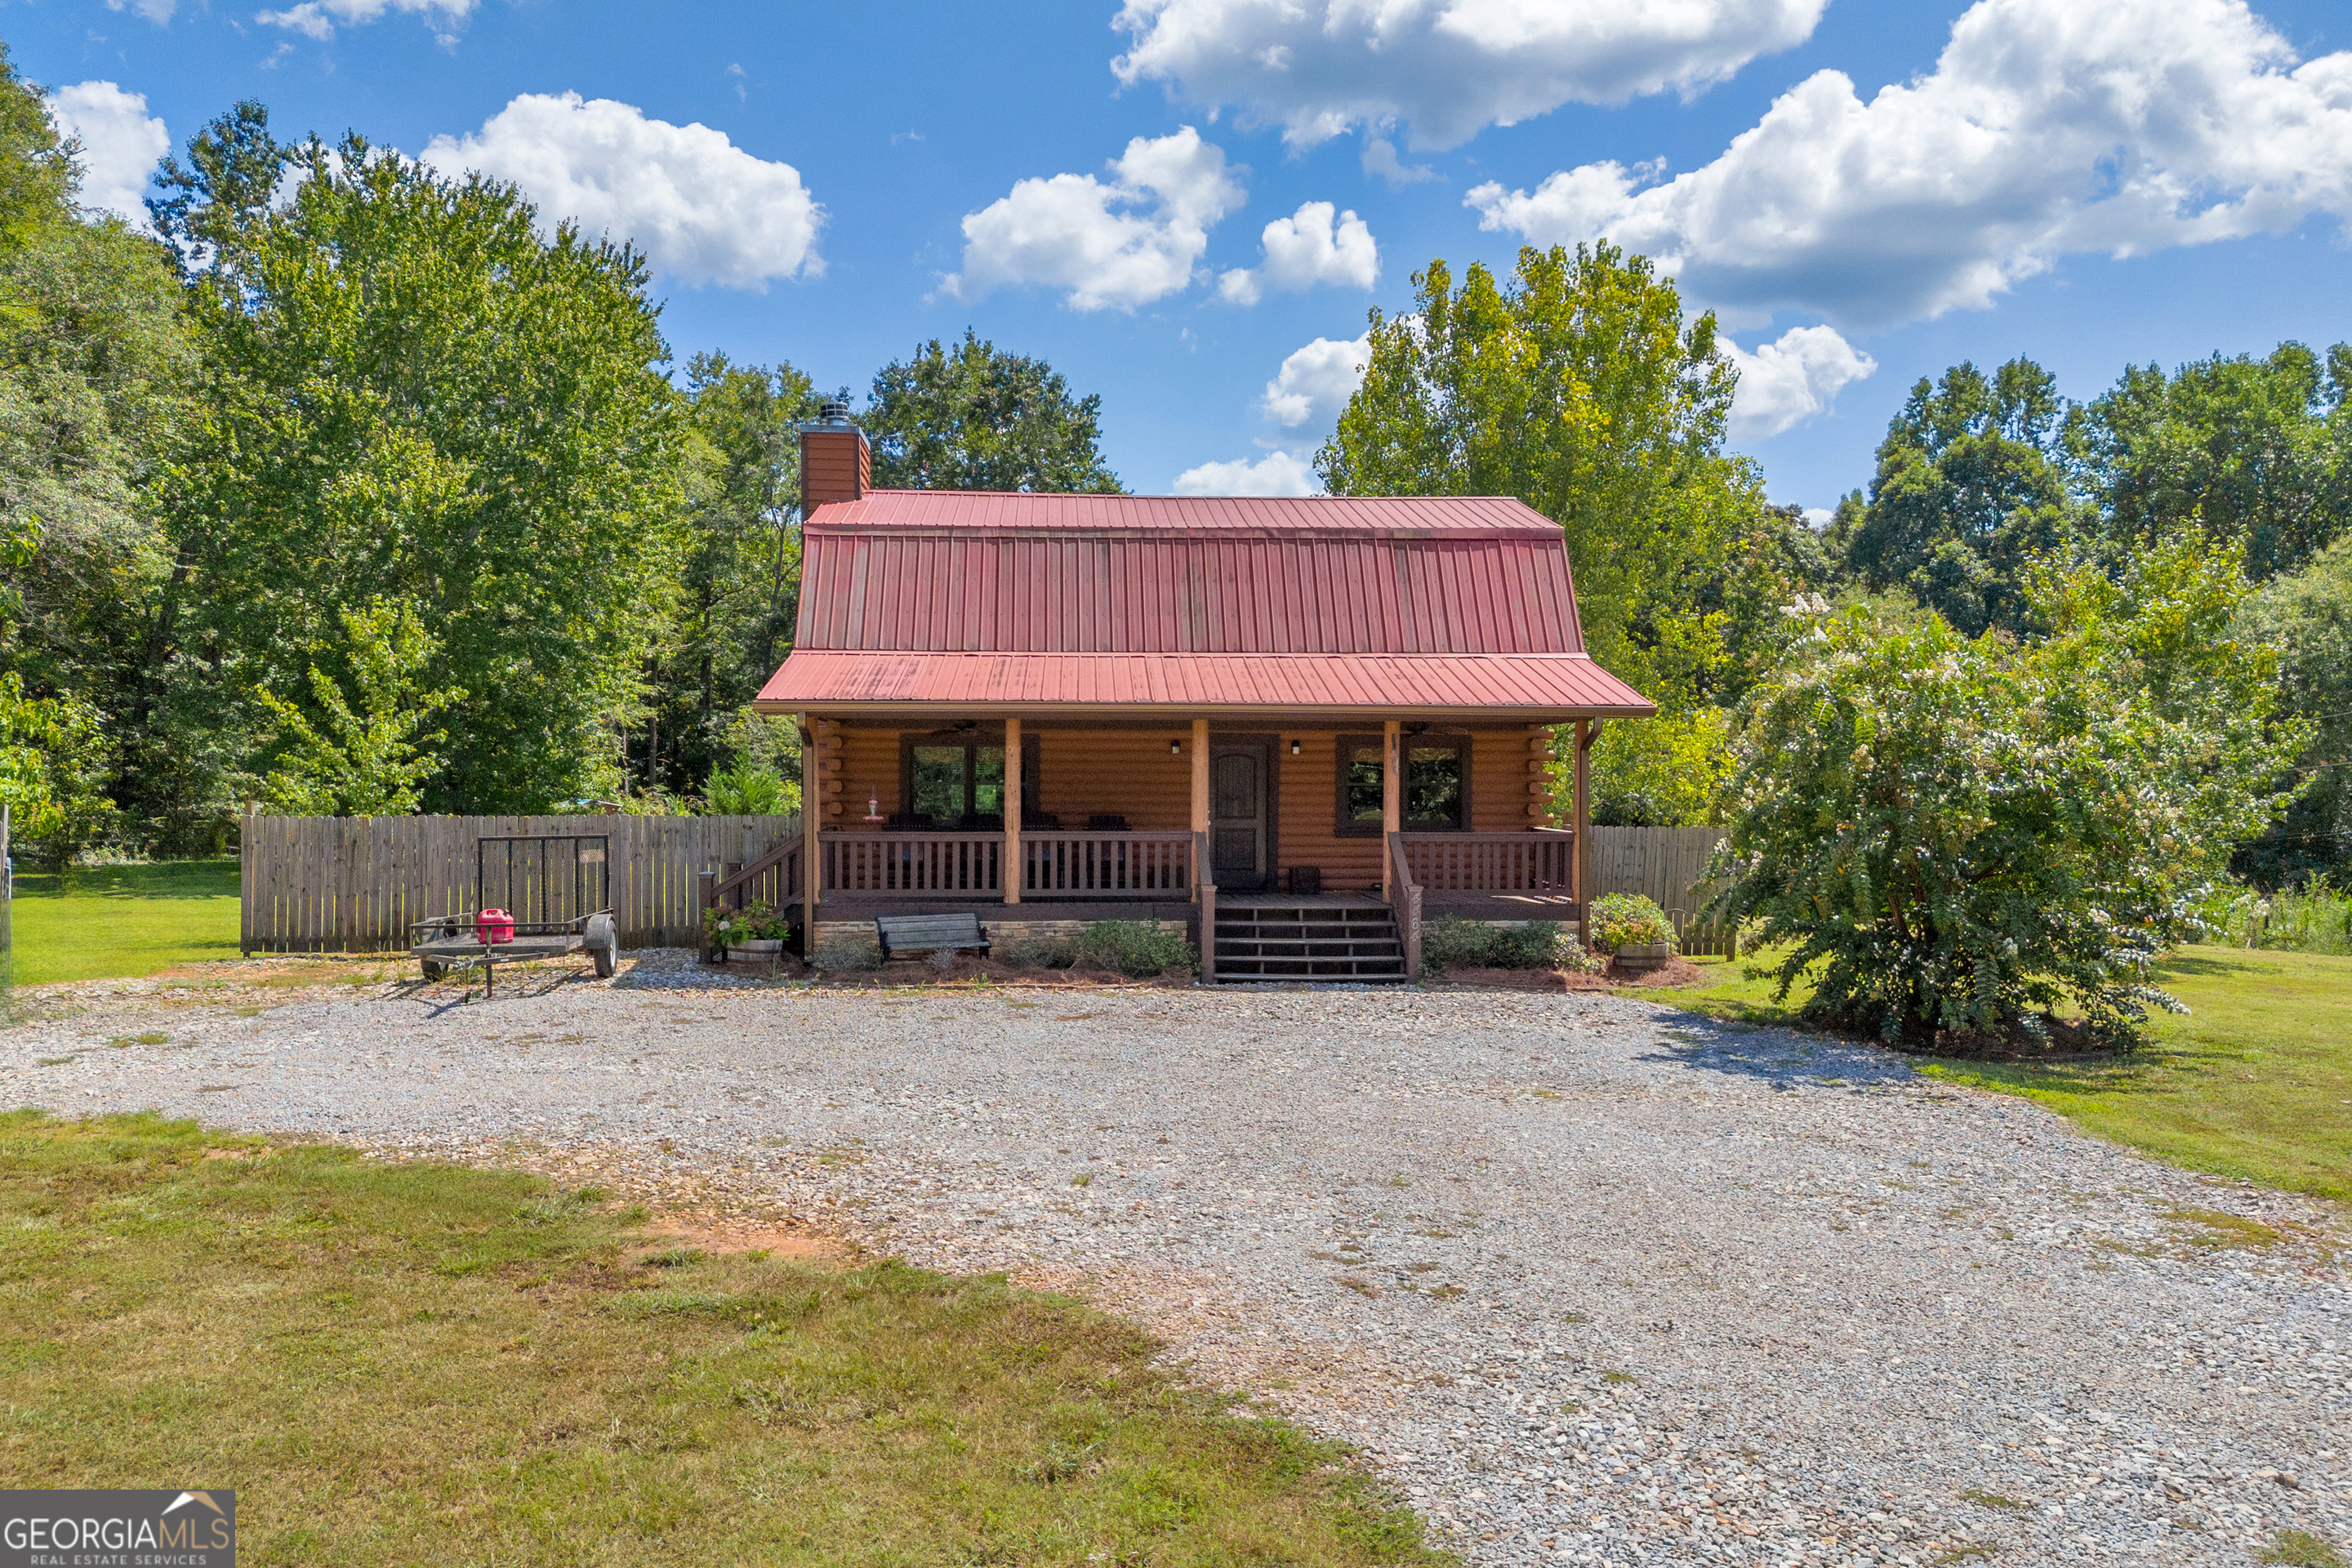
{"x": 1633, "y": 930}
{"x": 754, "y": 931}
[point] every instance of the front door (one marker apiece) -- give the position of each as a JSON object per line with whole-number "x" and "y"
{"x": 1239, "y": 850}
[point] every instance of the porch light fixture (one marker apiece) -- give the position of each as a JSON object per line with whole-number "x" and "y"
{"x": 1294, "y": 748}
{"x": 1175, "y": 748}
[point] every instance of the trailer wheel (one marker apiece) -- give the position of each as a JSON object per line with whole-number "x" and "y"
{"x": 603, "y": 944}
{"x": 434, "y": 968}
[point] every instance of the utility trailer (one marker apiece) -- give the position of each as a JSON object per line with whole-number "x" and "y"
{"x": 557, "y": 893}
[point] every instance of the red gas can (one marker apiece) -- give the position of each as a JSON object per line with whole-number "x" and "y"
{"x": 494, "y": 926}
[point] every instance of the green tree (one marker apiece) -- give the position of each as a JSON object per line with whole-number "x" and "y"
{"x": 368, "y": 752}
{"x": 978, "y": 418}
{"x": 739, "y": 581}
{"x": 38, "y": 178}
{"x": 1971, "y": 485}
{"x": 50, "y": 748}
{"x": 2306, "y": 617}
{"x": 411, "y": 395}
{"x": 1966, "y": 835}
{"x": 746, "y": 791}
{"x": 2257, "y": 450}
{"x": 1580, "y": 388}
{"x": 94, "y": 367}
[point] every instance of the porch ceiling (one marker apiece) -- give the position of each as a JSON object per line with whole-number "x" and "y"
{"x": 1535, "y": 688}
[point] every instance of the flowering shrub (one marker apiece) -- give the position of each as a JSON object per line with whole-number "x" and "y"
{"x": 752, "y": 922}
{"x": 1970, "y": 835}
{"x": 1622, "y": 920}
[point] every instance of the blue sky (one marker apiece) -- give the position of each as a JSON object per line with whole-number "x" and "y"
{"x": 2087, "y": 184}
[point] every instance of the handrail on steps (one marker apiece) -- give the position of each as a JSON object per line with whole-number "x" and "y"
{"x": 1204, "y": 894}
{"x": 711, "y": 888}
{"x": 1404, "y": 898}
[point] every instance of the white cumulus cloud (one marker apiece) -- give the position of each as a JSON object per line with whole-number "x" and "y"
{"x": 156, "y": 11}
{"x": 1119, "y": 243}
{"x": 318, "y": 18}
{"x": 1317, "y": 244}
{"x": 1275, "y": 474}
{"x": 1315, "y": 382}
{"x": 2048, "y": 127}
{"x": 702, "y": 209}
{"x": 120, "y": 143}
{"x": 1381, "y": 158}
{"x": 1791, "y": 380}
{"x": 1447, "y": 68}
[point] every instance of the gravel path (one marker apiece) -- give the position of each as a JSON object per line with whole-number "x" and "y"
{"x": 1586, "y": 1278}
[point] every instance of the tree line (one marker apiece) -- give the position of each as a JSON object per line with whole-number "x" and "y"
{"x": 1986, "y": 742}
{"x": 355, "y": 488}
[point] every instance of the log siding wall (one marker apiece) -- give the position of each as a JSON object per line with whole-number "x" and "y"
{"x": 1130, "y": 773}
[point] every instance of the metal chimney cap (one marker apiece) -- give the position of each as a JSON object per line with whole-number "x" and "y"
{"x": 834, "y": 412}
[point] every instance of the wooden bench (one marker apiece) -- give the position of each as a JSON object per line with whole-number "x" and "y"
{"x": 930, "y": 934}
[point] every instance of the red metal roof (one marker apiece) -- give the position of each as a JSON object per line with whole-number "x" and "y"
{"x": 1018, "y": 511}
{"x": 1535, "y": 685}
{"x": 1448, "y": 602}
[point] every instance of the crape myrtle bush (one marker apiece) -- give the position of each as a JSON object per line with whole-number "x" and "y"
{"x": 1971, "y": 836}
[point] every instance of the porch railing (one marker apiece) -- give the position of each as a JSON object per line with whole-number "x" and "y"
{"x": 914, "y": 865}
{"x": 1056, "y": 865}
{"x": 1537, "y": 862}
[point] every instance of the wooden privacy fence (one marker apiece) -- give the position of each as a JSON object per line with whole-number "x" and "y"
{"x": 354, "y": 884}
{"x": 1669, "y": 864}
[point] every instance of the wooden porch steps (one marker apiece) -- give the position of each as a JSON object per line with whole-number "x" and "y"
{"x": 1355, "y": 943}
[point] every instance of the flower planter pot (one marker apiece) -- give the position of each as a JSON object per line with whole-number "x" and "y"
{"x": 1641, "y": 957}
{"x": 763, "y": 949}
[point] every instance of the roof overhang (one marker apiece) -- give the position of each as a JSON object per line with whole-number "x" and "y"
{"x": 1530, "y": 688}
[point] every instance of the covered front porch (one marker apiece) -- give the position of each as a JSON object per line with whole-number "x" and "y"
{"x": 1038, "y": 821}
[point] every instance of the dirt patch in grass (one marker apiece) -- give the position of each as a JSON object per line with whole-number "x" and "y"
{"x": 722, "y": 1237}
{"x": 412, "y": 1362}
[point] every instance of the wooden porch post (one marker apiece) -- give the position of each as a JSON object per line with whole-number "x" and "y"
{"x": 1391, "y": 795}
{"x": 1012, "y": 811}
{"x": 812, "y": 858}
{"x": 1583, "y": 848}
{"x": 1200, "y": 780}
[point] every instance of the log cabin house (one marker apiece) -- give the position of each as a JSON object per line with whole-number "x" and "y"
{"x": 1298, "y": 726}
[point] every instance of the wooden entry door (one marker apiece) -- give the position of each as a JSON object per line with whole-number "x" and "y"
{"x": 1240, "y": 848}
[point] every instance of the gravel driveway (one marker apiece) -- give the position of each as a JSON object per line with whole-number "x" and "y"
{"x": 1585, "y": 1278}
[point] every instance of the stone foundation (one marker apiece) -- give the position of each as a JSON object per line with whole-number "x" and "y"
{"x": 1002, "y": 932}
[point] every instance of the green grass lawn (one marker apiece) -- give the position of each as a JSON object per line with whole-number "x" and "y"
{"x": 2254, "y": 1082}
{"x": 413, "y": 1363}
{"x": 104, "y": 922}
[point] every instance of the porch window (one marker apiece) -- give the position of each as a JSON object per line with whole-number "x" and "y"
{"x": 1436, "y": 785}
{"x": 952, "y": 781}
